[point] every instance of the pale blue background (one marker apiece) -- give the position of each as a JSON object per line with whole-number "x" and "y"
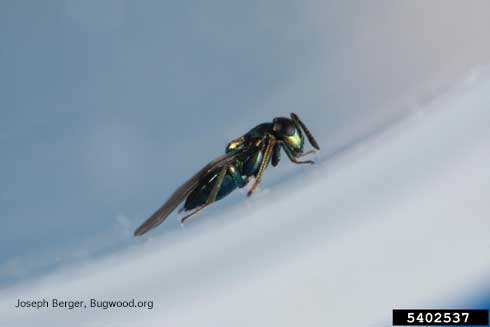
{"x": 106, "y": 106}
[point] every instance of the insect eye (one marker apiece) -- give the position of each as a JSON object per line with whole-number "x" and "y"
{"x": 289, "y": 130}
{"x": 284, "y": 127}
{"x": 277, "y": 127}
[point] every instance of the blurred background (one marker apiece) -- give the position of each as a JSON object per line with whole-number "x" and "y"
{"x": 108, "y": 105}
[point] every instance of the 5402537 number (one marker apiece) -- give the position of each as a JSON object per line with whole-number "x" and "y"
{"x": 438, "y": 317}
{"x": 426, "y": 317}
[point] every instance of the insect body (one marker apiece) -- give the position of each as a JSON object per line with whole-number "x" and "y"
{"x": 245, "y": 157}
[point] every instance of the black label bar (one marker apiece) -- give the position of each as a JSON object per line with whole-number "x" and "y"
{"x": 439, "y": 317}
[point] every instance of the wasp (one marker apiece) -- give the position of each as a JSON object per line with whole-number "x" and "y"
{"x": 245, "y": 158}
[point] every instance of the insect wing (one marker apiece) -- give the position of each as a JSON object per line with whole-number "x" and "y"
{"x": 184, "y": 190}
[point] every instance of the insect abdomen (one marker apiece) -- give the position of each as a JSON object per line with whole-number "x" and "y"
{"x": 200, "y": 195}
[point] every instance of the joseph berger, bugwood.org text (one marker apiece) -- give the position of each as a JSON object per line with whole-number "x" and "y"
{"x": 82, "y": 304}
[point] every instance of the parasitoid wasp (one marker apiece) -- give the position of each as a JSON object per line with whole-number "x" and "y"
{"x": 246, "y": 157}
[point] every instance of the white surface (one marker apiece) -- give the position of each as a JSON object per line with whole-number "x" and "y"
{"x": 399, "y": 221}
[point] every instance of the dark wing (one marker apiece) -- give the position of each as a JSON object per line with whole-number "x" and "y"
{"x": 184, "y": 190}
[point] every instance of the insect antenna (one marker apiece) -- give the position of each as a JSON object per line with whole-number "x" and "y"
{"x": 310, "y": 137}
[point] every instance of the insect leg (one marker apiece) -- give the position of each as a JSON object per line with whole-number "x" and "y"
{"x": 293, "y": 158}
{"x": 240, "y": 181}
{"x": 193, "y": 213}
{"x": 212, "y": 195}
{"x": 276, "y": 155}
{"x": 217, "y": 185}
{"x": 306, "y": 153}
{"x": 263, "y": 164}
